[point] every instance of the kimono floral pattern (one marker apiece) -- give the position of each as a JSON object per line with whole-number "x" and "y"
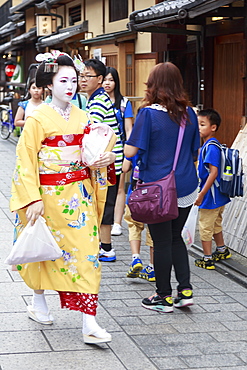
{"x": 71, "y": 212}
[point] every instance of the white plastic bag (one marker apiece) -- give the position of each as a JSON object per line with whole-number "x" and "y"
{"x": 96, "y": 139}
{"x": 188, "y": 232}
{"x": 35, "y": 244}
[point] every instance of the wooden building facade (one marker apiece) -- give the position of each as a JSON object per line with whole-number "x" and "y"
{"x": 207, "y": 41}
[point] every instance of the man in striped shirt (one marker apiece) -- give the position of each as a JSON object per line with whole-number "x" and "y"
{"x": 101, "y": 110}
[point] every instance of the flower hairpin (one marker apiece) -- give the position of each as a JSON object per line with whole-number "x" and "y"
{"x": 78, "y": 63}
{"x": 50, "y": 60}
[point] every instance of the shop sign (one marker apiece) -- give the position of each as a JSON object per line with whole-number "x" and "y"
{"x": 44, "y": 25}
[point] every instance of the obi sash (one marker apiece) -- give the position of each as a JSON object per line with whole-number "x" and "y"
{"x": 64, "y": 178}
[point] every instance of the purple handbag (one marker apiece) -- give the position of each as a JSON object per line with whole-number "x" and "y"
{"x": 155, "y": 202}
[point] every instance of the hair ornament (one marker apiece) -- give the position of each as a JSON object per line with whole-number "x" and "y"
{"x": 78, "y": 63}
{"x": 50, "y": 60}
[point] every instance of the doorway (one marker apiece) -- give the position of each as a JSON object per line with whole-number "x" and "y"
{"x": 228, "y": 85}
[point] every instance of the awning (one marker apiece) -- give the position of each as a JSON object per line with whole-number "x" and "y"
{"x": 21, "y": 6}
{"x": 172, "y": 10}
{"x": 27, "y": 3}
{"x": 7, "y": 29}
{"x": 115, "y": 36}
{"x": 30, "y": 35}
{"x": 16, "y": 17}
{"x": 5, "y": 47}
{"x": 10, "y": 28}
{"x": 62, "y": 35}
{"x": 16, "y": 41}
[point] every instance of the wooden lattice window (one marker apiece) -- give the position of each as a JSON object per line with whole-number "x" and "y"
{"x": 118, "y": 10}
{"x": 74, "y": 15}
{"x": 111, "y": 61}
{"x": 129, "y": 74}
{"x": 4, "y": 12}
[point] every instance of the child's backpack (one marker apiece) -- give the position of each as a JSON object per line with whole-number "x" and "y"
{"x": 232, "y": 176}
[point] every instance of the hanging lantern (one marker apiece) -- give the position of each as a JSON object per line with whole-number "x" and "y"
{"x": 10, "y": 69}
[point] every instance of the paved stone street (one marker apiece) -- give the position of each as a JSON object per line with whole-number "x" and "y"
{"x": 212, "y": 334}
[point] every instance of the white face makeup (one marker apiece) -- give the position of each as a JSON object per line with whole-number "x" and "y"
{"x": 64, "y": 86}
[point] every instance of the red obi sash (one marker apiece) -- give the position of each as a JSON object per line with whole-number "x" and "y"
{"x": 64, "y": 178}
{"x": 63, "y": 140}
{"x": 68, "y": 177}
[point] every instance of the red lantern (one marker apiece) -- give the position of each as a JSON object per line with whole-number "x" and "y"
{"x": 10, "y": 69}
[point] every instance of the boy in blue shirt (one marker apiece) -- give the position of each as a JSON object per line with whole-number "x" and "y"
{"x": 210, "y": 200}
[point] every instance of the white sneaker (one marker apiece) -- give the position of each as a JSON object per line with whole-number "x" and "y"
{"x": 107, "y": 256}
{"x": 116, "y": 230}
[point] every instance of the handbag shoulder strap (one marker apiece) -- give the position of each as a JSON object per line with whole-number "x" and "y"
{"x": 179, "y": 142}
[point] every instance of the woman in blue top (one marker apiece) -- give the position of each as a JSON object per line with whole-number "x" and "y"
{"x": 155, "y": 134}
{"x": 124, "y": 115}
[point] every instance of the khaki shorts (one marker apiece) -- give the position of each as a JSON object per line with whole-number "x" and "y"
{"x": 210, "y": 222}
{"x": 136, "y": 228}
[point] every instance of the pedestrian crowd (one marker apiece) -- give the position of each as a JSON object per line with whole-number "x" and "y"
{"x": 84, "y": 205}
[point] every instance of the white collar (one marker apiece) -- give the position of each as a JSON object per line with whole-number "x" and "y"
{"x": 158, "y": 107}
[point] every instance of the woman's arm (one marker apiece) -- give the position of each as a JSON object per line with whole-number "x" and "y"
{"x": 25, "y": 182}
{"x": 130, "y": 151}
{"x": 19, "y": 117}
{"x": 105, "y": 160}
{"x": 35, "y": 210}
{"x": 128, "y": 124}
{"x": 126, "y": 165}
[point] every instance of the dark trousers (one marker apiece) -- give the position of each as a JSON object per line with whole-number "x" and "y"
{"x": 170, "y": 250}
{"x": 108, "y": 215}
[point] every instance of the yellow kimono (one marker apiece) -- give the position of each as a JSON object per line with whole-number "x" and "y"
{"x": 49, "y": 145}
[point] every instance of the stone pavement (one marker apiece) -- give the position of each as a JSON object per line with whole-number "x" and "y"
{"x": 212, "y": 334}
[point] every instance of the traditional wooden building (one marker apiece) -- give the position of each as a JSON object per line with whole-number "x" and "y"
{"x": 207, "y": 41}
{"x": 86, "y": 27}
{"x": 205, "y": 38}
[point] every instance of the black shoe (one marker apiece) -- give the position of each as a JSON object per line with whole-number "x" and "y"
{"x": 217, "y": 255}
{"x": 205, "y": 264}
{"x": 156, "y": 303}
{"x": 184, "y": 298}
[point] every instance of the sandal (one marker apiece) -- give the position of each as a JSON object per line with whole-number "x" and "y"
{"x": 40, "y": 317}
{"x": 100, "y": 336}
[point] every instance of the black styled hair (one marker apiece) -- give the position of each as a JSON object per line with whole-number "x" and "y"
{"x": 98, "y": 67}
{"x": 212, "y": 115}
{"x": 30, "y": 82}
{"x": 43, "y": 78}
{"x": 117, "y": 93}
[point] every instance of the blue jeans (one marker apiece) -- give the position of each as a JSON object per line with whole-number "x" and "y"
{"x": 170, "y": 250}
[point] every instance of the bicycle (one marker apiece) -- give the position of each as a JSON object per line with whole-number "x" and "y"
{"x": 6, "y": 117}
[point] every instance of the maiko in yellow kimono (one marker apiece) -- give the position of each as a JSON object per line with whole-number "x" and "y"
{"x": 48, "y": 165}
